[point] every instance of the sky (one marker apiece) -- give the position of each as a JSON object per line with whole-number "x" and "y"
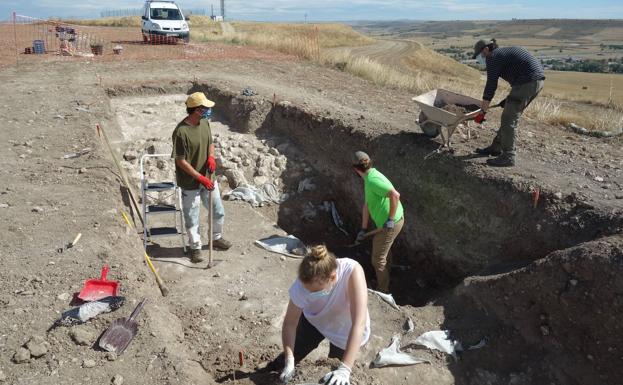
{"x": 340, "y": 10}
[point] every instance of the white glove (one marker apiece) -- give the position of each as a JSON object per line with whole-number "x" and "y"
{"x": 340, "y": 376}
{"x": 288, "y": 370}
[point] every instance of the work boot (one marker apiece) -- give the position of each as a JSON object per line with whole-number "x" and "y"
{"x": 488, "y": 151}
{"x": 503, "y": 160}
{"x": 195, "y": 256}
{"x": 221, "y": 244}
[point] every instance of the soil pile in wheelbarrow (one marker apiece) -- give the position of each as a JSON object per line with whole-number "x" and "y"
{"x": 457, "y": 108}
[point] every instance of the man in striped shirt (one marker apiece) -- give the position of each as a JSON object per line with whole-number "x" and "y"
{"x": 525, "y": 75}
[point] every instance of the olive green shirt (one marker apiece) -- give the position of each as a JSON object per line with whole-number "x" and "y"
{"x": 376, "y": 188}
{"x": 191, "y": 143}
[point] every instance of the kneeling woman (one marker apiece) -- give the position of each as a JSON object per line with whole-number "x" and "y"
{"x": 328, "y": 300}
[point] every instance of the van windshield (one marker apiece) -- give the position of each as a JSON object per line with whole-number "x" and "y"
{"x": 165, "y": 14}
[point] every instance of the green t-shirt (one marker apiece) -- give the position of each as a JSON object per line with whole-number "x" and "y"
{"x": 191, "y": 143}
{"x": 376, "y": 188}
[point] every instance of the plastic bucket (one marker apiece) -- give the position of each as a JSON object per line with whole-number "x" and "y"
{"x": 97, "y": 49}
{"x": 38, "y": 47}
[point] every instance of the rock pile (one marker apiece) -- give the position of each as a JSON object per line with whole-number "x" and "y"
{"x": 242, "y": 160}
{"x": 246, "y": 160}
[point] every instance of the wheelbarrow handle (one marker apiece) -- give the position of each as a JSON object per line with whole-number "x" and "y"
{"x": 105, "y": 271}
{"x": 137, "y": 310}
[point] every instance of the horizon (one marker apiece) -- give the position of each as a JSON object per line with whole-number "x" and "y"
{"x": 344, "y": 11}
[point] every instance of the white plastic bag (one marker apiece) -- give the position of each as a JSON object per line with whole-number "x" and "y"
{"x": 290, "y": 245}
{"x": 386, "y": 297}
{"x": 392, "y": 355}
{"x": 439, "y": 340}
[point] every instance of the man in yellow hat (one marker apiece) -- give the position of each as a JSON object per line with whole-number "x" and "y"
{"x": 193, "y": 151}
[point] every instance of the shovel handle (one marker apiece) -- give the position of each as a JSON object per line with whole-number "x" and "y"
{"x": 161, "y": 285}
{"x": 211, "y": 223}
{"x": 105, "y": 270}
{"x": 73, "y": 243}
{"x": 137, "y": 310}
{"x": 366, "y": 236}
{"x": 373, "y": 232}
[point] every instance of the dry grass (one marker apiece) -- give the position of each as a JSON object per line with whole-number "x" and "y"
{"x": 419, "y": 81}
{"x": 556, "y": 112}
{"x": 375, "y": 71}
{"x": 128, "y": 21}
{"x": 329, "y": 35}
{"x": 304, "y": 40}
{"x": 431, "y": 61}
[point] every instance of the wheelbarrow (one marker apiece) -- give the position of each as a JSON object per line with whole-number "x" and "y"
{"x": 434, "y": 119}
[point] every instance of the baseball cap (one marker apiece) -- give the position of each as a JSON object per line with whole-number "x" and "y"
{"x": 480, "y": 44}
{"x": 198, "y": 99}
{"x": 359, "y": 157}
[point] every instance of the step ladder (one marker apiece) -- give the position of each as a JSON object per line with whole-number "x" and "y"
{"x": 160, "y": 209}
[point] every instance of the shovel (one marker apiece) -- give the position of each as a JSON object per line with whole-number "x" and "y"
{"x": 119, "y": 335}
{"x": 95, "y": 289}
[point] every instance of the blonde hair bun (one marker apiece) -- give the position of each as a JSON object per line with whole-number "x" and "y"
{"x": 318, "y": 264}
{"x": 319, "y": 252}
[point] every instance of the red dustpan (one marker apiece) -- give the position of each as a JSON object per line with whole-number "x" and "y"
{"x": 95, "y": 289}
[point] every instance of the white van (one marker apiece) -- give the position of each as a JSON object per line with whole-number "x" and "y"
{"x": 163, "y": 20}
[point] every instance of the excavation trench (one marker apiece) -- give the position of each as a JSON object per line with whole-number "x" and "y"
{"x": 459, "y": 222}
{"x": 471, "y": 242}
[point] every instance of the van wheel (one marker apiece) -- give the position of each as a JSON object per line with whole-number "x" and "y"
{"x": 145, "y": 39}
{"x": 187, "y": 39}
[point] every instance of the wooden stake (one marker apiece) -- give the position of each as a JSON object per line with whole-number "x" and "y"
{"x": 536, "y": 192}
{"x": 15, "y": 39}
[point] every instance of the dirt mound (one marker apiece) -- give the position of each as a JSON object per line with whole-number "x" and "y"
{"x": 566, "y": 306}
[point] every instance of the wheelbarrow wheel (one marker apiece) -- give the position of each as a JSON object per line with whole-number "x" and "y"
{"x": 429, "y": 129}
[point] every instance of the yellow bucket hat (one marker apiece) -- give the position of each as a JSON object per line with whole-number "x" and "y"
{"x": 198, "y": 99}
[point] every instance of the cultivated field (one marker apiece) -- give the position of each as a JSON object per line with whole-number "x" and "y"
{"x": 604, "y": 89}
{"x": 547, "y": 38}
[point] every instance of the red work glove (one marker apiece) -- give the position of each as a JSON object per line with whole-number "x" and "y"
{"x": 206, "y": 182}
{"x": 481, "y": 117}
{"x": 211, "y": 163}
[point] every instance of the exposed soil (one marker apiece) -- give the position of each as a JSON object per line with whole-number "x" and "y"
{"x": 458, "y": 108}
{"x": 539, "y": 280}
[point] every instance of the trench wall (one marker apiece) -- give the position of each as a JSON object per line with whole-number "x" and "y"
{"x": 459, "y": 221}
{"x": 568, "y": 304}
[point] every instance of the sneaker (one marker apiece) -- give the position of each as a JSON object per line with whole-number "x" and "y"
{"x": 488, "y": 151}
{"x": 195, "y": 256}
{"x": 502, "y": 161}
{"x": 221, "y": 244}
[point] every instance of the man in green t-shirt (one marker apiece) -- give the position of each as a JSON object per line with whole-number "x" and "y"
{"x": 382, "y": 203}
{"x": 193, "y": 151}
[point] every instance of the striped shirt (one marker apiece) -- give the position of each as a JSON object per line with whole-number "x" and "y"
{"x": 513, "y": 64}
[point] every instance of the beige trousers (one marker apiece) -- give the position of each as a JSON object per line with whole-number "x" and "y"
{"x": 381, "y": 245}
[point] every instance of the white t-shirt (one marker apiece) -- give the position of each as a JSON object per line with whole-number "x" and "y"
{"x": 331, "y": 314}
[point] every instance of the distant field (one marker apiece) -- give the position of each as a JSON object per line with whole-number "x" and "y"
{"x": 600, "y": 88}
{"x": 546, "y": 38}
